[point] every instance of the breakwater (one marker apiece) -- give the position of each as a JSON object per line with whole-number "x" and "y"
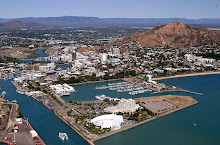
{"x": 181, "y": 90}
{"x": 141, "y": 123}
{"x": 99, "y": 137}
{"x": 75, "y": 129}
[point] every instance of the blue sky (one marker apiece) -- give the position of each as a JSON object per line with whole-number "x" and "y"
{"x": 111, "y": 8}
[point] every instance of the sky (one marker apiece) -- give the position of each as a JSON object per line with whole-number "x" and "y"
{"x": 194, "y": 9}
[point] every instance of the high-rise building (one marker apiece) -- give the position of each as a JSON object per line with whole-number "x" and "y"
{"x": 127, "y": 105}
{"x": 115, "y": 51}
{"x": 149, "y": 78}
{"x": 73, "y": 56}
{"x": 104, "y": 57}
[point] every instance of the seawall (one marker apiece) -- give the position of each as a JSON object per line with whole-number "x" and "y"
{"x": 140, "y": 123}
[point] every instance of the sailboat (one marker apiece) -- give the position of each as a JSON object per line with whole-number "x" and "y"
{"x": 194, "y": 124}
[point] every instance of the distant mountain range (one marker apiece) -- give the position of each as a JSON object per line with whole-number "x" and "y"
{"x": 21, "y": 25}
{"x": 76, "y": 21}
{"x": 174, "y": 34}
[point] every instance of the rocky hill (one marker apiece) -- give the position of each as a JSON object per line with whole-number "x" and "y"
{"x": 174, "y": 34}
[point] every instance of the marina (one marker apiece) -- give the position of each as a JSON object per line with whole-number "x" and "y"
{"x": 96, "y": 85}
{"x": 99, "y": 88}
{"x": 145, "y": 73}
{"x": 183, "y": 120}
{"x": 131, "y": 88}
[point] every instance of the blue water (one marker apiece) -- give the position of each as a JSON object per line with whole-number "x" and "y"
{"x": 42, "y": 119}
{"x": 174, "y": 129}
{"x": 87, "y": 92}
{"x": 41, "y": 54}
{"x": 177, "y": 128}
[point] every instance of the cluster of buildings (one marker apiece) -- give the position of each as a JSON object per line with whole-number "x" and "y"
{"x": 42, "y": 67}
{"x": 199, "y": 60}
{"x": 114, "y": 121}
{"x": 62, "y": 89}
{"x": 124, "y": 105}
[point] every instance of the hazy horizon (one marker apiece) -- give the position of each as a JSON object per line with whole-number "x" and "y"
{"x": 109, "y": 17}
{"x": 188, "y": 9}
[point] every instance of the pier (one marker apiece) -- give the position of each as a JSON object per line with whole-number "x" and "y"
{"x": 193, "y": 102}
{"x": 22, "y": 136}
{"x": 61, "y": 112}
{"x": 181, "y": 90}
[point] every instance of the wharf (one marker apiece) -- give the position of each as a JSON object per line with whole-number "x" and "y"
{"x": 131, "y": 80}
{"x": 51, "y": 104}
{"x": 181, "y": 90}
{"x": 60, "y": 111}
{"x": 145, "y": 121}
{"x": 22, "y": 136}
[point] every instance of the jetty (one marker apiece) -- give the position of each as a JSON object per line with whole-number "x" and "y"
{"x": 61, "y": 109}
{"x": 182, "y": 90}
{"x": 19, "y": 131}
{"x": 180, "y": 103}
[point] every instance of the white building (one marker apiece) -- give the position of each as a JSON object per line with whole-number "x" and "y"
{"x": 149, "y": 79}
{"x": 200, "y": 59}
{"x": 127, "y": 105}
{"x": 64, "y": 89}
{"x": 19, "y": 79}
{"x": 47, "y": 67}
{"x": 33, "y": 76}
{"x": 111, "y": 121}
{"x": 104, "y": 57}
{"x": 44, "y": 68}
{"x": 115, "y": 51}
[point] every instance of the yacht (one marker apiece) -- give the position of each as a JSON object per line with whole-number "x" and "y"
{"x": 63, "y": 136}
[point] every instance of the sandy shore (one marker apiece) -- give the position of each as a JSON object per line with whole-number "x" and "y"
{"x": 187, "y": 75}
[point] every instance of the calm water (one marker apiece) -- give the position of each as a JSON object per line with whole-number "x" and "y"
{"x": 87, "y": 92}
{"x": 174, "y": 129}
{"x": 178, "y": 128}
{"x": 42, "y": 119}
{"x": 41, "y": 54}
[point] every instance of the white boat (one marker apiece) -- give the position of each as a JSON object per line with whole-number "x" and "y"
{"x": 102, "y": 97}
{"x": 3, "y": 93}
{"x": 65, "y": 94}
{"x": 63, "y": 136}
{"x": 59, "y": 68}
{"x": 20, "y": 92}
